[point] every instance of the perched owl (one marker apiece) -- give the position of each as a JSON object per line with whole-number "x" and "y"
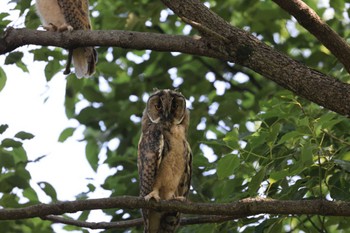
{"x": 164, "y": 157}
{"x": 61, "y": 15}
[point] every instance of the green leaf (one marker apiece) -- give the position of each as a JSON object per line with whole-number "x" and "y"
{"x": 8, "y": 142}
{"x": 31, "y": 195}
{"x": 66, "y": 133}
{"x": 343, "y": 164}
{"x": 49, "y": 190}
{"x": 3, "y": 79}
{"x": 278, "y": 175}
{"x": 20, "y": 155}
{"x": 52, "y": 68}
{"x": 3, "y": 128}
{"x": 255, "y": 183}
{"x": 6, "y": 160}
{"x": 231, "y": 139}
{"x": 227, "y": 165}
{"x": 13, "y": 58}
{"x": 307, "y": 154}
{"x": 24, "y": 135}
{"x": 92, "y": 94}
{"x": 92, "y": 151}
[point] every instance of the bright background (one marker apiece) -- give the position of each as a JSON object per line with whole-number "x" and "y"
{"x": 28, "y": 103}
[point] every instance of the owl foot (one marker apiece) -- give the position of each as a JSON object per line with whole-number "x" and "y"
{"x": 180, "y": 198}
{"x": 51, "y": 27}
{"x": 154, "y": 194}
{"x": 65, "y": 27}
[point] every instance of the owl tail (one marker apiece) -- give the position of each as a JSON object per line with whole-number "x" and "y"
{"x": 169, "y": 222}
{"x": 158, "y": 222}
{"x": 84, "y": 61}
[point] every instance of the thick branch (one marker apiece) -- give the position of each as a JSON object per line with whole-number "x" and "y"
{"x": 245, "y": 207}
{"x": 309, "y": 19}
{"x": 248, "y": 51}
{"x": 220, "y": 40}
{"x": 15, "y": 38}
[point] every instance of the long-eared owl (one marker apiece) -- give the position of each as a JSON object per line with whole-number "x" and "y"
{"x": 164, "y": 157}
{"x": 61, "y": 15}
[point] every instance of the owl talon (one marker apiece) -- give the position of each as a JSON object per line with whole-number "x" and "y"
{"x": 51, "y": 28}
{"x": 65, "y": 27}
{"x": 180, "y": 198}
{"x": 153, "y": 194}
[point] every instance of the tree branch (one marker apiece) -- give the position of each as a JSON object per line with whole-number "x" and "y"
{"x": 238, "y": 46}
{"x": 242, "y": 208}
{"x": 309, "y": 19}
{"x": 248, "y": 51}
{"x": 135, "y": 222}
{"x": 15, "y": 38}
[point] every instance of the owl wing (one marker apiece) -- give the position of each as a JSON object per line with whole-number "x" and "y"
{"x": 150, "y": 151}
{"x": 149, "y": 158}
{"x": 76, "y": 13}
{"x": 185, "y": 184}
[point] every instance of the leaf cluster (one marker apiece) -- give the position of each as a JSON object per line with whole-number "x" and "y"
{"x": 249, "y": 137}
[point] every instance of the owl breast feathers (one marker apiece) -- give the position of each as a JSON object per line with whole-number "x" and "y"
{"x": 164, "y": 157}
{"x": 61, "y": 15}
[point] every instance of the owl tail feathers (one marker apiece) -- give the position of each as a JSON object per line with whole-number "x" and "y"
{"x": 158, "y": 222}
{"x": 169, "y": 222}
{"x": 84, "y": 61}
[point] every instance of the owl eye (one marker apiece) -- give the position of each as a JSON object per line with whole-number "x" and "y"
{"x": 174, "y": 106}
{"x": 158, "y": 106}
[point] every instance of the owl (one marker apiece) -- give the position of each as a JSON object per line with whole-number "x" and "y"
{"x": 164, "y": 157}
{"x": 62, "y": 15}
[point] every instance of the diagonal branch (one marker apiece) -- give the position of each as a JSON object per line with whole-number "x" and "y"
{"x": 309, "y": 19}
{"x": 220, "y": 40}
{"x": 242, "y": 208}
{"x": 248, "y": 51}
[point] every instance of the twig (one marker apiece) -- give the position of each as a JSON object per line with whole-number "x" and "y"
{"x": 204, "y": 29}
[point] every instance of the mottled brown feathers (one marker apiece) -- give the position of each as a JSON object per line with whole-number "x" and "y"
{"x": 62, "y": 15}
{"x": 164, "y": 157}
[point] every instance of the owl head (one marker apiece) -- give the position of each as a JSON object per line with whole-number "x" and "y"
{"x": 166, "y": 106}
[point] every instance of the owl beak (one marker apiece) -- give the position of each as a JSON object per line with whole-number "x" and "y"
{"x": 167, "y": 113}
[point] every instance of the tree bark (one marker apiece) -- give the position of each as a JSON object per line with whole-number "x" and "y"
{"x": 219, "y": 40}
{"x": 238, "y": 209}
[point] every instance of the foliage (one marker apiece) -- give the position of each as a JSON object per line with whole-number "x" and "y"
{"x": 260, "y": 140}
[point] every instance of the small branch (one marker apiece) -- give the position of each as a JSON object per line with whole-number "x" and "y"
{"x": 243, "y": 208}
{"x": 134, "y": 222}
{"x": 95, "y": 225}
{"x": 336, "y": 138}
{"x": 309, "y": 19}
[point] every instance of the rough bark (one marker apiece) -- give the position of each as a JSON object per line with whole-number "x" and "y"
{"x": 248, "y": 51}
{"x": 219, "y": 40}
{"x": 238, "y": 209}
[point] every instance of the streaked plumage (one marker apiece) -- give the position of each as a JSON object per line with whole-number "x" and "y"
{"x": 61, "y": 15}
{"x": 164, "y": 157}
